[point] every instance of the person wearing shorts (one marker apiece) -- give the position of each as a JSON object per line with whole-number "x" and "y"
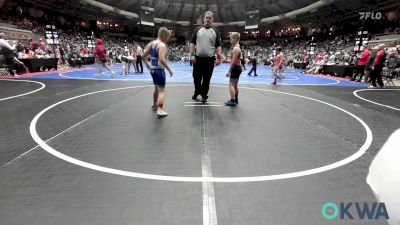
{"x": 235, "y": 70}
{"x": 125, "y": 64}
{"x": 157, "y": 65}
{"x": 276, "y": 70}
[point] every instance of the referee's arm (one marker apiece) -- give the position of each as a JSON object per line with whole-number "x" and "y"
{"x": 192, "y": 46}
{"x": 218, "y": 48}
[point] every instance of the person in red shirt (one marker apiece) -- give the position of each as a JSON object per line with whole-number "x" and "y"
{"x": 40, "y": 42}
{"x": 361, "y": 64}
{"x": 377, "y": 67}
{"x": 278, "y": 65}
{"x": 31, "y": 42}
{"x": 84, "y": 51}
{"x": 134, "y": 57}
{"x": 101, "y": 57}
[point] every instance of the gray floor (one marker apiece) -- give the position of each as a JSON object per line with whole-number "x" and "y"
{"x": 268, "y": 133}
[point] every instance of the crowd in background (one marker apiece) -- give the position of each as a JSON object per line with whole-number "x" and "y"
{"x": 74, "y": 45}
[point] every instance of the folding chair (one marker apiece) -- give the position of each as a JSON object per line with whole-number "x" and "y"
{"x": 388, "y": 77}
{"x": 3, "y": 67}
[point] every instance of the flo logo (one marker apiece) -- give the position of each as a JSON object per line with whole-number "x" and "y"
{"x": 370, "y": 15}
{"x": 354, "y": 210}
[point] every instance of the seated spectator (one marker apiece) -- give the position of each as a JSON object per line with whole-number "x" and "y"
{"x": 331, "y": 60}
{"x": 73, "y": 58}
{"x": 38, "y": 52}
{"x": 29, "y": 53}
{"x": 84, "y": 51}
{"x": 317, "y": 66}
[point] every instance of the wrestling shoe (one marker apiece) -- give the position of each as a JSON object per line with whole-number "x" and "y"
{"x": 161, "y": 113}
{"x": 204, "y": 99}
{"x": 231, "y": 102}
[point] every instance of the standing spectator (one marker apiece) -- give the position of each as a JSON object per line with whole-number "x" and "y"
{"x": 205, "y": 43}
{"x": 133, "y": 59}
{"x": 102, "y": 57}
{"x": 62, "y": 54}
{"x": 242, "y": 60}
{"x": 377, "y": 66}
{"x": 139, "y": 63}
{"x": 361, "y": 64}
{"x": 111, "y": 57}
{"x": 58, "y": 54}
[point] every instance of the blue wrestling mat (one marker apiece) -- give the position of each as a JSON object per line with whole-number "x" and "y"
{"x": 183, "y": 74}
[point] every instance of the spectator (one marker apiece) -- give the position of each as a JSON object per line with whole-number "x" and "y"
{"x": 74, "y": 59}
{"x": 11, "y": 60}
{"x": 361, "y": 64}
{"x": 377, "y": 66}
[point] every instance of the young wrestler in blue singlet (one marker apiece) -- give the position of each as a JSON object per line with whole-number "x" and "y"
{"x": 158, "y": 62}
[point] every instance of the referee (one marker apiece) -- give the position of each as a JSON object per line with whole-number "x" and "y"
{"x": 139, "y": 63}
{"x": 206, "y": 41}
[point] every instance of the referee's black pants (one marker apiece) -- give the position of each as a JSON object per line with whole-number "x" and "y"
{"x": 139, "y": 63}
{"x": 360, "y": 70}
{"x": 202, "y": 72}
{"x": 376, "y": 75}
{"x": 254, "y": 68}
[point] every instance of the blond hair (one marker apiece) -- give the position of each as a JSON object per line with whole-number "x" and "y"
{"x": 209, "y": 12}
{"x": 163, "y": 31}
{"x": 235, "y": 35}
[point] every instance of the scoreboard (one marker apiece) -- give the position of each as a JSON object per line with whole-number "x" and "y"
{"x": 252, "y": 19}
{"x": 147, "y": 15}
{"x": 52, "y": 35}
{"x": 361, "y": 39}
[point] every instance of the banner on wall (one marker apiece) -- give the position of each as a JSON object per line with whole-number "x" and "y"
{"x": 16, "y": 34}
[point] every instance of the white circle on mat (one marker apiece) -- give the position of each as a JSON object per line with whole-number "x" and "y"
{"x": 351, "y": 158}
{"x": 355, "y": 93}
{"x": 42, "y": 86}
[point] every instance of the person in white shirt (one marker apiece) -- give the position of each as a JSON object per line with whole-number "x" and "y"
{"x": 12, "y": 62}
{"x": 5, "y": 47}
{"x": 139, "y": 55}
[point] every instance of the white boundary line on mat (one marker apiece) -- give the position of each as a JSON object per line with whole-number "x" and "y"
{"x": 27, "y": 93}
{"x": 367, "y": 143}
{"x": 355, "y": 93}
